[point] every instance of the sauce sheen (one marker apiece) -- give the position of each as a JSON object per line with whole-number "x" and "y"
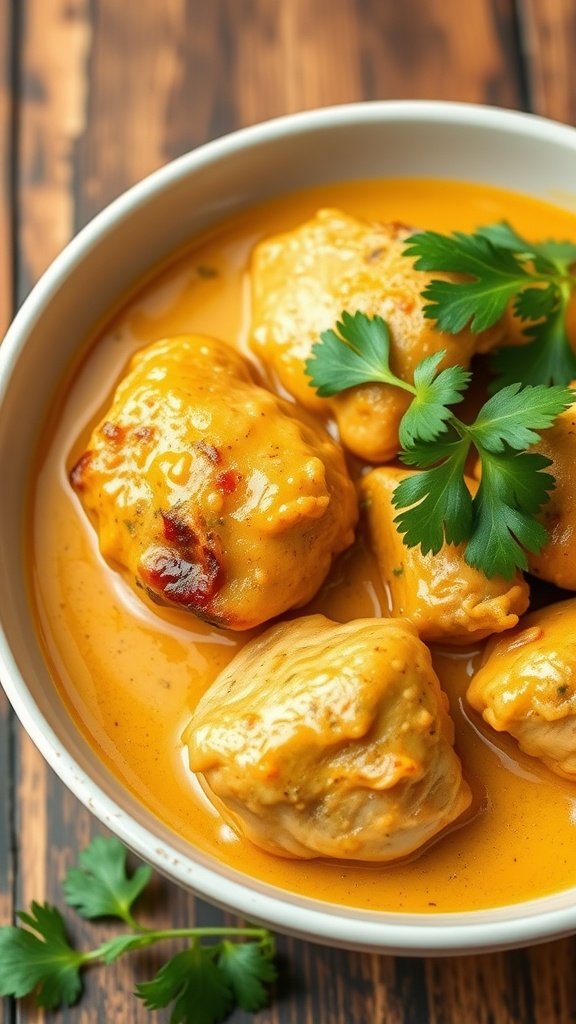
{"x": 130, "y": 672}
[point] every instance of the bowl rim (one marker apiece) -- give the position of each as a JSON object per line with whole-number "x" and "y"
{"x": 408, "y": 934}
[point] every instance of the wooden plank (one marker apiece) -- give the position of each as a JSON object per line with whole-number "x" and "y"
{"x": 189, "y": 72}
{"x": 31, "y": 821}
{"x": 549, "y": 36}
{"x": 56, "y": 36}
{"x": 6, "y": 831}
{"x": 6, "y": 126}
{"x": 52, "y": 73}
{"x": 138, "y": 56}
{"x": 531, "y": 986}
{"x": 302, "y": 55}
{"x": 54, "y": 41}
{"x": 553, "y": 981}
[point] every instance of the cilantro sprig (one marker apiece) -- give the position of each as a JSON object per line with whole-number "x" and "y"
{"x": 202, "y": 983}
{"x": 499, "y": 523}
{"x": 500, "y": 268}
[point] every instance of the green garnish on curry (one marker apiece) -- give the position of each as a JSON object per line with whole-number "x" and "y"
{"x": 500, "y": 522}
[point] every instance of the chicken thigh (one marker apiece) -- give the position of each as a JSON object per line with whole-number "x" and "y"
{"x": 527, "y": 686}
{"x": 214, "y": 494}
{"x": 303, "y": 280}
{"x": 556, "y": 563}
{"x": 445, "y": 598}
{"x": 329, "y": 740}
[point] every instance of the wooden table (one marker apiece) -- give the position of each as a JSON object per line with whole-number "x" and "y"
{"x": 94, "y": 94}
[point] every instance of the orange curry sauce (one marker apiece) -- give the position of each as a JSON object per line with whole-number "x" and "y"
{"x": 130, "y": 672}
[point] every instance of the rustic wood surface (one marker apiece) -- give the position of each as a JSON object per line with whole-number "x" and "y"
{"x": 94, "y": 94}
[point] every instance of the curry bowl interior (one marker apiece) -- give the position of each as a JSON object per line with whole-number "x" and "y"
{"x": 131, "y": 236}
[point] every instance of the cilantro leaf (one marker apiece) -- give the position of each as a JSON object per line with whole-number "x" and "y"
{"x": 502, "y": 235}
{"x": 515, "y": 414}
{"x": 499, "y": 524}
{"x": 248, "y": 968}
{"x": 436, "y": 504}
{"x": 100, "y": 887}
{"x": 425, "y": 454}
{"x": 500, "y": 269}
{"x": 536, "y": 303}
{"x": 358, "y": 352}
{"x": 497, "y": 275}
{"x": 556, "y": 253}
{"x": 40, "y": 958}
{"x": 204, "y": 982}
{"x": 512, "y": 490}
{"x": 562, "y": 253}
{"x": 194, "y": 983}
{"x": 428, "y": 413}
{"x": 548, "y": 358}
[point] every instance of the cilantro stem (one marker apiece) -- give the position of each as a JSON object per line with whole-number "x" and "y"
{"x": 206, "y": 980}
{"x": 462, "y": 429}
{"x": 131, "y": 921}
{"x": 201, "y": 933}
{"x": 398, "y": 383}
{"x": 143, "y": 937}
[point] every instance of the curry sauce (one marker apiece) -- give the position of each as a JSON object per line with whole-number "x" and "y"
{"x": 130, "y": 672}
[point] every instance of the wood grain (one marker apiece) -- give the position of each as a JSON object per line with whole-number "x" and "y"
{"x": 138, "y": 59}
{"x": 53, "y": 79}
{"x": 422, "y": 50}
{"x": 6, "y": 830}
{"x": 549, "y": 33}
{"x": 189, "y": 71}
{"x": 6, "y": 168}
{"x": 110, "y": 91}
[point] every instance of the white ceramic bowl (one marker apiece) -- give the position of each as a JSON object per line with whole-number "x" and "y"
{"x": 403, "y": 139}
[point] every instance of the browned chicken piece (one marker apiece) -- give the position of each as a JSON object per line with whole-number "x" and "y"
{"x": 445, "y": 598}
{"x": 557, "y": 560}
{"x": 527, "y": 686}
{"x": 303, "y": 280}
{"x": 214, "y": 494}
{"x": 329, "y": 740}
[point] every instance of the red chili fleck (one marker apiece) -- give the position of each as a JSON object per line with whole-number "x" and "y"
{"x": 228, "y": 481}
{"x": 113, "y": 431}
{"x": 192, "y": 584}
{"x": 189, "y": 570}
{"x": 177, "y": 531}
{"x": 77, "y": 472}
{"x": 209, "y": 450}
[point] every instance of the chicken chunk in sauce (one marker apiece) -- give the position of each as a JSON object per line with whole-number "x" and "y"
{"x": 302, "y": 281}
{"x": 527, "y": 686}
{"x": 556, "y": 562}
{"x": 445, "y": 598}
{"x": 212, "y": 493}
{"x": 329, "y": 740}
